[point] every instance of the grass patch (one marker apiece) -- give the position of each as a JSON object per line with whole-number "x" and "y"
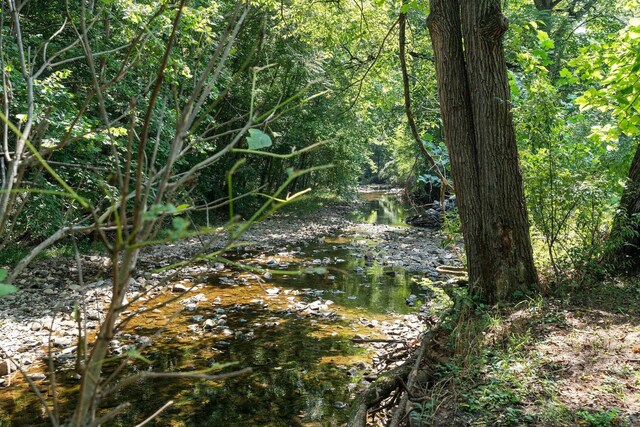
{"x": 547, "y": 362}
{"x": 9, "y": 257}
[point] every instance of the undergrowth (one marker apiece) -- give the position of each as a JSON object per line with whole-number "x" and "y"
{"x": 518, "y": 365}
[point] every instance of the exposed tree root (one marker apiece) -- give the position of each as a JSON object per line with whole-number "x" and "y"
{"x": 401, "y": 378}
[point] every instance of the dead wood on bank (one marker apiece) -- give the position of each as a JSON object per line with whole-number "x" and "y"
{"x": 398, "y": 382}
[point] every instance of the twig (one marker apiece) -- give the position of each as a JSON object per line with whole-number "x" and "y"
{"x": 155, "y": 414}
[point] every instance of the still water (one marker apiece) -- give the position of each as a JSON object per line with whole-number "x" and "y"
{"x": 384, "y": 207}
{"x": 299, "y": 362}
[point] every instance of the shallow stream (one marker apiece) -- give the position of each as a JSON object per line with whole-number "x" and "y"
{"x": 294, "y": 325}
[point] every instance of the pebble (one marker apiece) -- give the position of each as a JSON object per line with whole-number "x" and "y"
{"x": 41, "y": 273}
{"x": 62, "y": 341}
{"x": 6, "y": 366}
{"x": 179, "y": 287}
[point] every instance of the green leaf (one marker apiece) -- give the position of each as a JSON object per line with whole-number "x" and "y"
{"x": 258, "y": 139}
{"x": 636, "y": 65}
{"x": 3, "y": 274}
{"x": 545, "y": 42}
{"x": 135, "y": 355}
{"x": 565, "y": 73}
{"x": 290, "y": 172}
{"x": 7, "y": 289}
{"x": 180, "y": 224}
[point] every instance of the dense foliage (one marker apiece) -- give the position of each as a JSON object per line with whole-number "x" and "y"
{"x": 326, "y": 73}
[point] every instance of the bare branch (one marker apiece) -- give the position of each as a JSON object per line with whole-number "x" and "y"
{"x": 155, "y": 414}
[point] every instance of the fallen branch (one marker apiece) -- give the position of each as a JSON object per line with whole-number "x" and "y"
{"x": 368, "y": 340}
{"x": 452, "y": 270}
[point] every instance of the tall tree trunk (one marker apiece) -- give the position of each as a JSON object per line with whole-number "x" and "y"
{"x": 545, "y": 4}
{"x": 626, "y": 228}
{"x": 479, "y": 133}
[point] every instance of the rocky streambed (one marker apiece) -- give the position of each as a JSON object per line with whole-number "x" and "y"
{"x": 322, "y": 304}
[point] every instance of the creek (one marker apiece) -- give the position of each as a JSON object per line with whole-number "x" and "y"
{"x": 293, "y": 325}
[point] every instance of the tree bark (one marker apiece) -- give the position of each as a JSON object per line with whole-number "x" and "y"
{"x": 626, "y": 228}
{"x": 545, "y": 4}
{"x": 479, "y": 133}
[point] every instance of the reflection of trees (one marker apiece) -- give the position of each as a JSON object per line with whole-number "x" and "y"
{"x": 382, "y": 209}
{"x": 391, "y": 209}
{"x": 288, "y": 377}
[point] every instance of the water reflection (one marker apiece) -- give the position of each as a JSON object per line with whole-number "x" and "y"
{"x": 289, "y": 384}
{"x": 350, "y": 283}
{"x": 299, "y": 361}
{"x": 383, "y": 208}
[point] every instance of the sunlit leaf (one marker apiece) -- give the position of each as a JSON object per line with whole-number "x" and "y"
{"x": 7, "y": 289}
{"x": 135, "y": 355}
{"x": 258, "y": 139}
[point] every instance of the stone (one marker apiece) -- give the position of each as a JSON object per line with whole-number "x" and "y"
{"x": 209, "y": 324}
{"x": 38, "y": 376}
{"x": 41, "y": 273}
{"x": 179, "y": 287}
{"x": 62, "y": 341}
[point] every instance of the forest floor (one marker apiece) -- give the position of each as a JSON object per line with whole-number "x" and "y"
{"x": 573, "y": 361}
